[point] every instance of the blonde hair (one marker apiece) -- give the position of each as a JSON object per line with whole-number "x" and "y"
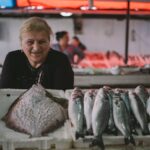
{"x": 35, "y": 24}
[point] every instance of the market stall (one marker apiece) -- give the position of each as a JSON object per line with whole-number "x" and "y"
{"x": 95, "y": 71}
{"x": 63, "y": 138}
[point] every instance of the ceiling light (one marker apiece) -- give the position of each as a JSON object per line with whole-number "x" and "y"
{"x": 84, "y": 8}
{"x": 40, "y": 7}
{"x": 88, "y": 8}
{"x": 66, "y": 14}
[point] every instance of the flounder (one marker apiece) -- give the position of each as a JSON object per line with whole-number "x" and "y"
{"x": 36, "y": 112}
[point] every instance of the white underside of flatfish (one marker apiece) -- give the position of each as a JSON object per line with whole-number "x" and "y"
{"x": 35, "y": 113}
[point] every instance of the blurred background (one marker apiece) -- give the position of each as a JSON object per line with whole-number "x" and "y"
{"x": 100, "y": 24}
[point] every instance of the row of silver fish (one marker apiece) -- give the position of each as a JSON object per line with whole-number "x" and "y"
{"x": 110, "y": 110}
{"x": 93, "y": 108}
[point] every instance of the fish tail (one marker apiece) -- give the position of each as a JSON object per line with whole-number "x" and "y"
{"x": 97, "y": 142}
{"x": 145, "y": 131}
{"x": 78, "y": 135}
{"x": 133, "y": 124}
{"x": 130, "y": 139}
{"x": 89, "y": 131}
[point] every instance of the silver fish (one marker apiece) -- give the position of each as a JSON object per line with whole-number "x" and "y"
{"x": 76, "y": 112}
{"x": 139, "y": 111}
{"x": 35, "y": 113}
{"x": 111, "y": 129}
{"x": 125, "y": 97}
{"x": 100, "y": 117}
{"x": 89, "y": 98}
{"x": 121, "y": 118}
{"x": 148, "y": 106}
{"x": 142, "y": 92}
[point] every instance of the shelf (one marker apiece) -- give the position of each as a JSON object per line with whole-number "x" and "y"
{"x": 126, "y": 81}
{"x": 88, "y": 13}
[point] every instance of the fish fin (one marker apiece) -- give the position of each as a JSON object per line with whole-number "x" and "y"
{"x": 78, "y": 135}
{"x": 98, "y": 141}
{"x": 62, "y": 101}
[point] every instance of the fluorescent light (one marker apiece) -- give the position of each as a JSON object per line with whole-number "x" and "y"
{"x": 84, "y": 8}
{"x": 87, "y": 8}
{"x": 94, "y": 8}
{"x": 40, "y": 7}
{"x": 66, "y": 14}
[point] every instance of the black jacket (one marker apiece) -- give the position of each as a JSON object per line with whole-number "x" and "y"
{"x": 18, "y": 73}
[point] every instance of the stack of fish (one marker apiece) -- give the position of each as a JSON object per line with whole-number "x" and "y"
{"x": 110, "y": 111}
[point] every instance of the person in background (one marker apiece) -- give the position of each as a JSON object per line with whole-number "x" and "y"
{"x": 36, "y": 62}
{"x": 77, "y": 43}
{"x": 63, "y": 46}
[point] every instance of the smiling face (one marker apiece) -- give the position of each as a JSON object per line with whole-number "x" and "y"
{"x": 35, "y": 45}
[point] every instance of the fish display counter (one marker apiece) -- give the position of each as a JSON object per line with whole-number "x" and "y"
{"x": 124, "y": 81}
{"x": 66, "y": 136}
{"x": 115, "y": 77}
{"x": 12, "y": 140}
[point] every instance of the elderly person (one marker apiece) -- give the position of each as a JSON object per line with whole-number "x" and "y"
{"x": 36, "y": 62}
{"x": 74, "y": 54}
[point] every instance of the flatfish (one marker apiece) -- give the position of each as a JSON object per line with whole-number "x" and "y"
{"x": 36, "y": 112}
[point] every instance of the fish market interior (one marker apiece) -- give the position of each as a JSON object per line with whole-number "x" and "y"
{"x": 108, "y": 107}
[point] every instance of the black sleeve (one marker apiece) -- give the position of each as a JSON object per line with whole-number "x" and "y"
{"x": 64, "y": 76}
{"x": 7, "y": 75}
